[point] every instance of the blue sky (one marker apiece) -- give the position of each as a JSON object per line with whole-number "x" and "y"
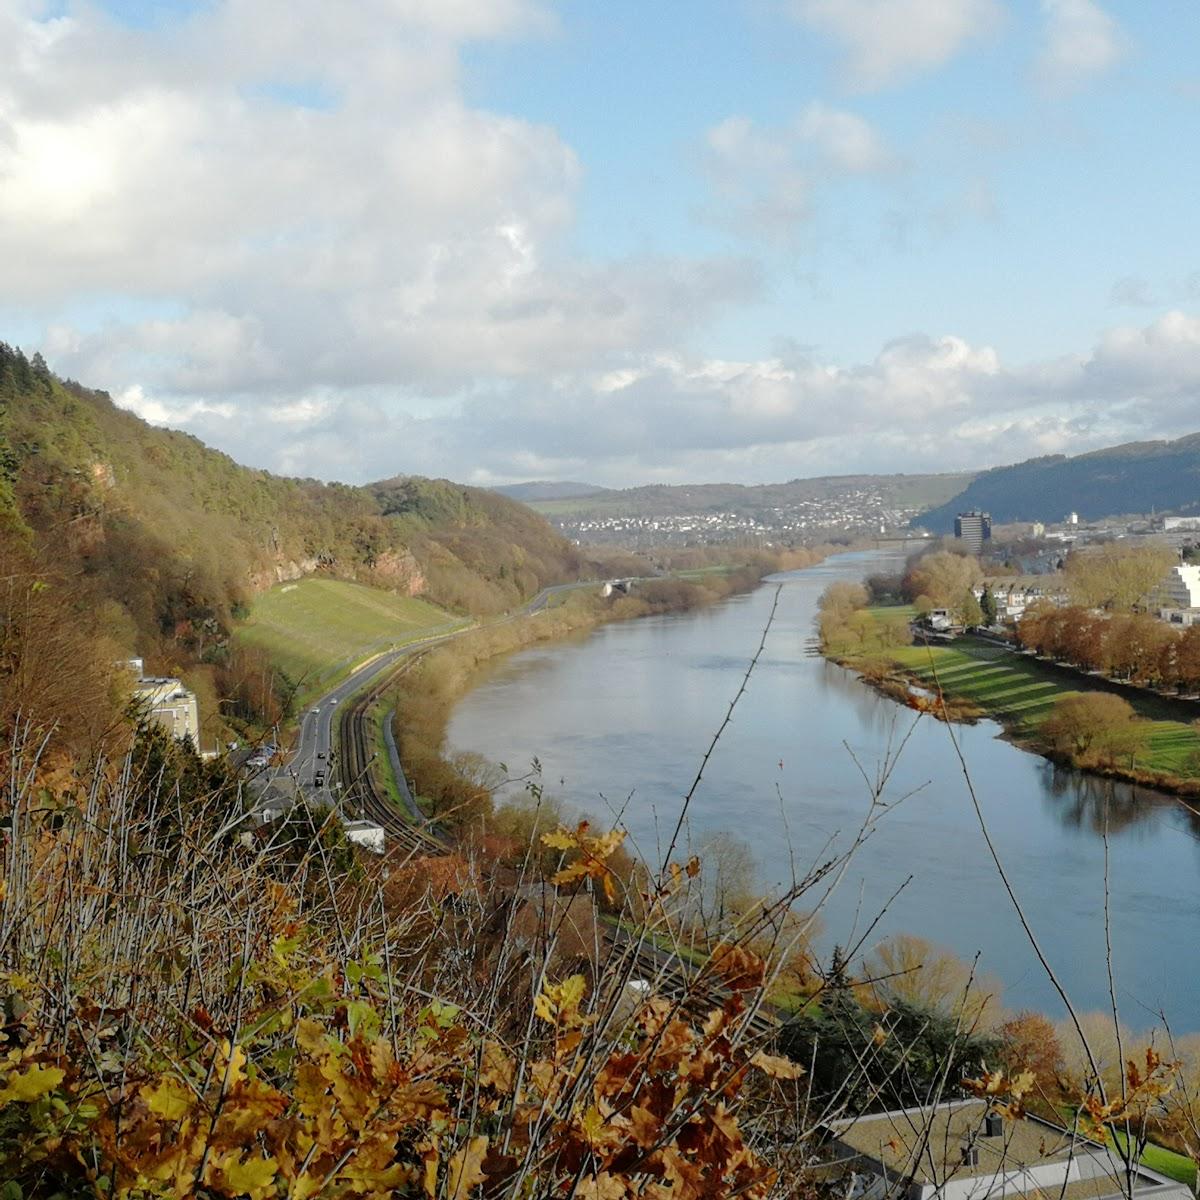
{"x": 501, "y": 239}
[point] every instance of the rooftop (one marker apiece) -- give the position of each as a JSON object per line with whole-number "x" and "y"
{"x": 926, "y": 1145}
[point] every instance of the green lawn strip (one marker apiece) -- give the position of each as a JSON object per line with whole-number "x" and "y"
{"x": 1174, "y": 748}
{"x": 1167, "y": 1162}
{"x": 1043, "y": 699}
{"x": 1023, "y": 690}
{"x": 971, "y": 671}
{"x": 317, "y": 630}
{"x": 893, "y": 612}
{"x": 1014, "y": 691}
{"x": 382, "y": 765}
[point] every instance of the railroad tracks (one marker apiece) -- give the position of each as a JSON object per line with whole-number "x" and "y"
{"x": 697, "y": 992}
{"x": 360, "y": 796}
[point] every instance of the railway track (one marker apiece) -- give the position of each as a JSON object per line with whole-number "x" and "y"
{"x": 360, "y": 797}
{"x": 673, "y": 977}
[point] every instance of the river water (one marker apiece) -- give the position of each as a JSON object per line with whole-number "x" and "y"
{"x": 621, "y": 718}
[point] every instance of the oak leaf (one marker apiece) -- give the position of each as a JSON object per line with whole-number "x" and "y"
{"x": 741, "y": 969}
{"x": 31, "y": 1085}
{"x": 253, "y": 1176}
{"x": 775, "y": 1066}
{"x": 559, "y": 1002}
{"x": 169, "y": 1098}
{"x": 466, "y": 1168}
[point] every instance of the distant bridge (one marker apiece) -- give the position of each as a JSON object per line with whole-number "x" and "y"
{"x": 884, "y": 540}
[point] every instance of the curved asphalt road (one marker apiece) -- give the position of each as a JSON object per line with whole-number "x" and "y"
{"x": 314, "y": 742}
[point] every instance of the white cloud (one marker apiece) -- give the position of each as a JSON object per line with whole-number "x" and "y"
{"x": 887, "y": 41}
{"x": 848, "y": 142}
{"x": 315, "y": 193}
{"x": 1081, "y": 41}
{"x": 921, "y": 403}
{"x": 766, "y": 181}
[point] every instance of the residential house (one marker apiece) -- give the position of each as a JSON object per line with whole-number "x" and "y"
{"x": 168, "y": 703}
{"x": 962, "y": 1150}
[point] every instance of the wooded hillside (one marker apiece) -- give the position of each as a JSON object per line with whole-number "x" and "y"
{"x": 140, "y": 540}
{"x": 1138, "y": 477}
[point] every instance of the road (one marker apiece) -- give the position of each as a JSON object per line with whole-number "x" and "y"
{"x": 315, "y": 737}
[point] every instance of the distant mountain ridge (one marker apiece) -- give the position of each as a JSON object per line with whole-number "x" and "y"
{"x": 663, "y": 499}
{"x": 547, "y": 489}
{"x": 1137, "y": 477}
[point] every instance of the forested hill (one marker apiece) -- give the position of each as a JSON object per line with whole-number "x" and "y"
{"x": 158, "y": 541}
{"x": 1138, "y": 477}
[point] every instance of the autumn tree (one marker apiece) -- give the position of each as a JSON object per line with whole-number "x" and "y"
{"x": 1094, "y": 728}
{"x": 1029, "y": 1042}
{"x": 914, "y": 970}
{"x": 1117, "y": 576}
{"x": 947, "y": 579}
{"x": 1187, "y": 659}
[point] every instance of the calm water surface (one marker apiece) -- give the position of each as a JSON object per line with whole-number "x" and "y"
{"x": 621, "y": 719}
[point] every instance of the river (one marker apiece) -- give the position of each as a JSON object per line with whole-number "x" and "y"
{"x": 621, "y": 718}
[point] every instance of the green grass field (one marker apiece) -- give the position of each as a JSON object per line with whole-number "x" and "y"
{"x": 1021, "y": 691}
{"x": 1168, "y": 1162}
{"x": 316, "y": 629}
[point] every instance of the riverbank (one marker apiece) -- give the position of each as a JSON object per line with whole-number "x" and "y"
{"x": 457, "y": 790}
{"x": 975, "y": 677}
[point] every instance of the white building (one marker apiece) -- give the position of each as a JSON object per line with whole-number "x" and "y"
{"x": 1181, "y": 589}
{"x": 366, "y": 834}
{"x": 168, "y": 703}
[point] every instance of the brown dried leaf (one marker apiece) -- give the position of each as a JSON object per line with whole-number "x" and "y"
{"x": 465, "y": 1169}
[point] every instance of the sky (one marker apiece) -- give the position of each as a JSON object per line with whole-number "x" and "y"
{"x": 606, "y": 240}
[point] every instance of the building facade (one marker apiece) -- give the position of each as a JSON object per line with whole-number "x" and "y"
{"x": 169, "y": 704}
{"x": 973, "y": 529}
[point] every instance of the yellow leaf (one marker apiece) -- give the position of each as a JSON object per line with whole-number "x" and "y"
{"x": 603, "y": 846}
{"x": 311, "y": 1037}
{"x": 604, "y": 1186}
{"x": 466, "y": 1168}
{"x": 429, "y": 1177}
{"x": 560, "y": 839}
{"x": 253, "y": 1177}
{"x": 569, "y": 874}
{"x": 230, "y": 1062}
{"x": 776, "y": 1067}
{"x": 168, "y": 1098}
{"x": 496, "y": 1068}
{"x": 558, "y": 1000}
{"x": 31, "y": 1085}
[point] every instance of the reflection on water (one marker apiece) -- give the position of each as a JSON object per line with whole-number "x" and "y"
{"x": 621, "y": 718}
{"x": 1105, "y": 805}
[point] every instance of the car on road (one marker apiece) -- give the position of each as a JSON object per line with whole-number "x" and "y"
{"x": 314, "y": 711}
{"x": 319, "y": 779}
{"x": 321, "y": 754}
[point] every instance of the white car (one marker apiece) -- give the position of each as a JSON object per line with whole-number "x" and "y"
{"x": 315, "y": 711}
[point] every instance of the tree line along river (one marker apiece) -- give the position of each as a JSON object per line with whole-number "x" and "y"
{"x": 620, "y": 719}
